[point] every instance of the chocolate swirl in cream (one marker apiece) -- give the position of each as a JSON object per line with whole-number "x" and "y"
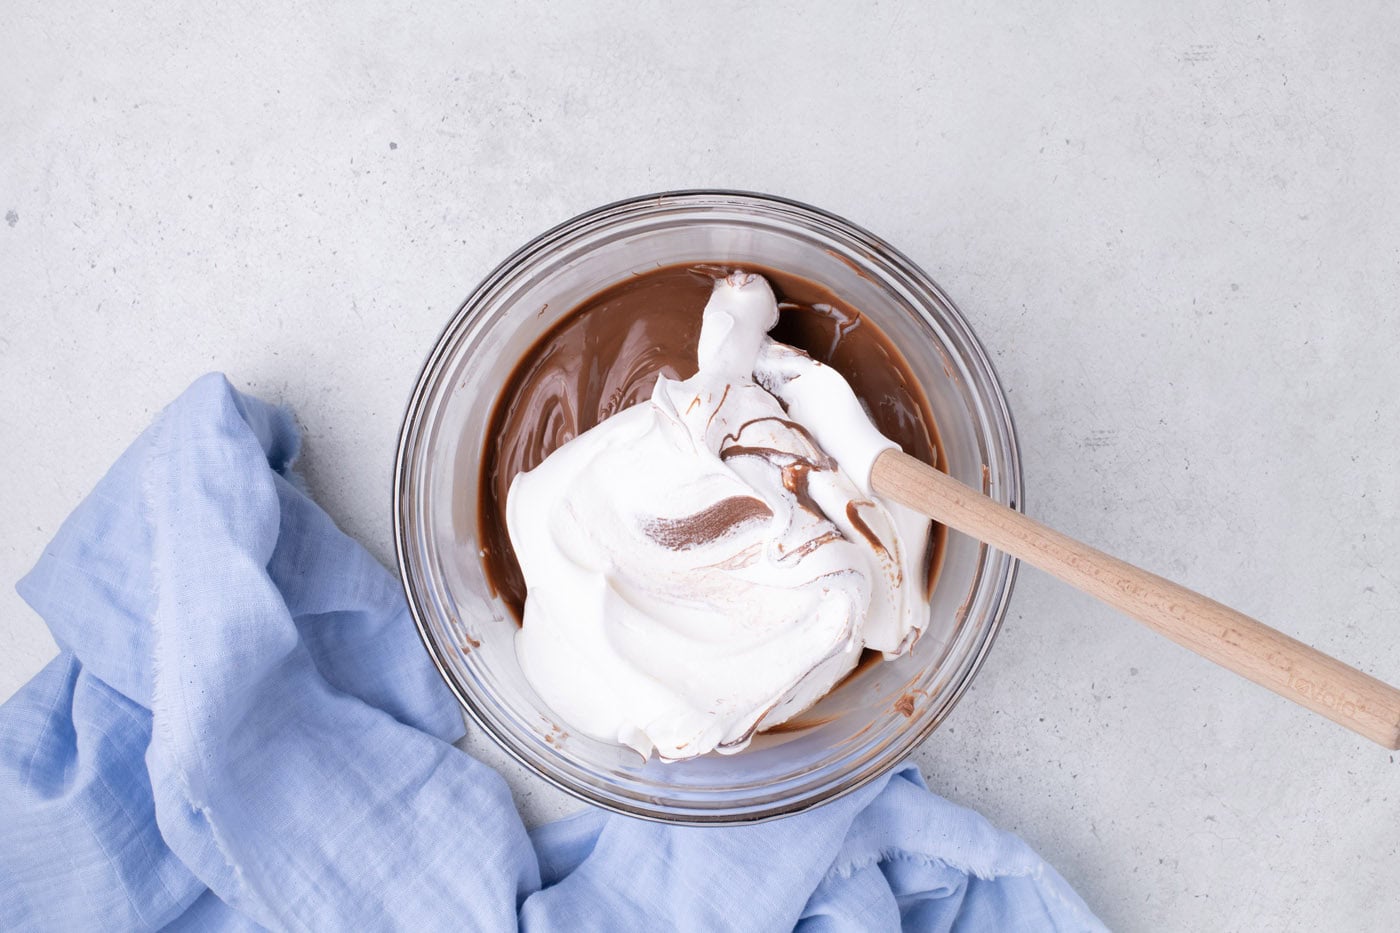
{"x": 605, "y": 356}
{"x": 711, "y": 561}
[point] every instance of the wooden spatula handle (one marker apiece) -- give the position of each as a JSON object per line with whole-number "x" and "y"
{"x": 1231, "y": 639}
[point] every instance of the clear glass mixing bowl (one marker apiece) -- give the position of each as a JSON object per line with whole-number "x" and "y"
{"x": 875, "y": 718}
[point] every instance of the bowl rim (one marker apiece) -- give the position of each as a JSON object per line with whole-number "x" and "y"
{"x": 423, "y": 384}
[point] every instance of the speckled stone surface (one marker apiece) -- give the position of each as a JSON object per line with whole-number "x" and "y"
{"x": 1176, "y": 227}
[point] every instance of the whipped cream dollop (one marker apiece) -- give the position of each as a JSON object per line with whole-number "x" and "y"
{"x": 698, "y": 567}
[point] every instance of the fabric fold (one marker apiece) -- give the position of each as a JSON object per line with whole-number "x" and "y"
{"x": 242, "y": 730}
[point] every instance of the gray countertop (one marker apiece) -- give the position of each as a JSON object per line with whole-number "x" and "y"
{"x": 1175, "y": 226}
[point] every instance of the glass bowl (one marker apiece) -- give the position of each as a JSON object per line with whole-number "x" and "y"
{"x": 870, "y": 722}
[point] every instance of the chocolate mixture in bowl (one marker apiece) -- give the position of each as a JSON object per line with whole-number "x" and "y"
{"x": 605, "y": 355}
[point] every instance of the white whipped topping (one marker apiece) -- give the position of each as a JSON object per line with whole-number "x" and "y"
{"x": 697, "y": 568}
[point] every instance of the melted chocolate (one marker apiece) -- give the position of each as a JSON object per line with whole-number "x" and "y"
{"x": 680, "y": 534}
{"x": 605, "y": 355}
{"x": 853, "y": 516}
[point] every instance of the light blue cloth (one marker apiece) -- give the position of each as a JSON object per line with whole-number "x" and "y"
{"x": 242, "y": 730}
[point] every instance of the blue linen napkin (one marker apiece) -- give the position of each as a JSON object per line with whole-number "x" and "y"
{"x": 242, "y": 731}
